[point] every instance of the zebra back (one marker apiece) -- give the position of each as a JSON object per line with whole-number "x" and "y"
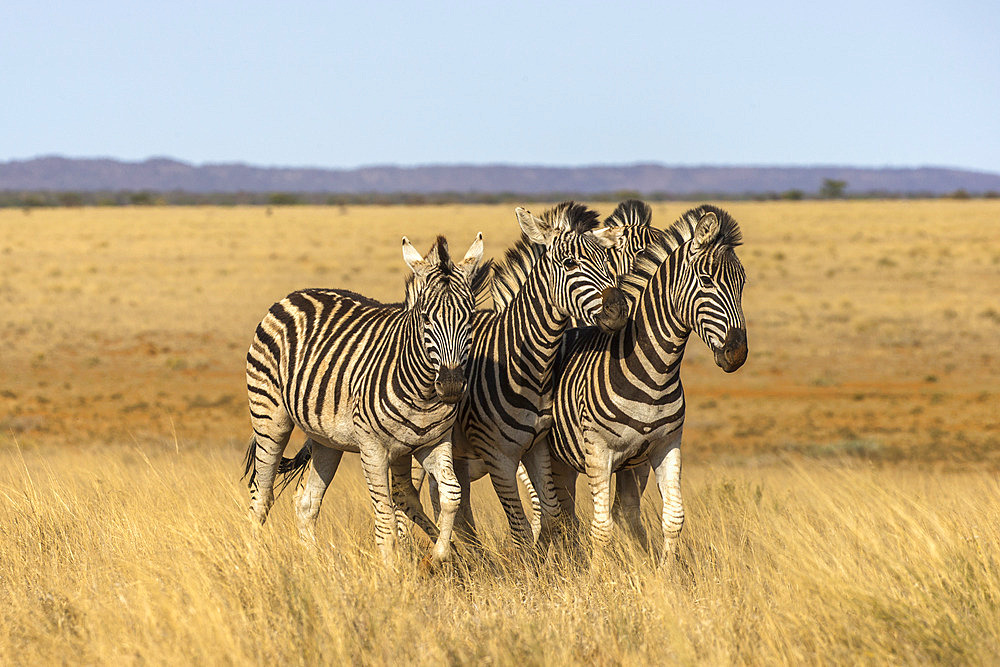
{"x": 319, "y": 351}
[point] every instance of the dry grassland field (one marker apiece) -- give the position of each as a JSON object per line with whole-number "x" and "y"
{"x": 842, "y": 488}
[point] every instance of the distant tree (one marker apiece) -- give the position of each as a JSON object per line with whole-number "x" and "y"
{"x": 832, "y": 188}
{"x": 283, "y": 199}
{"x": 70, "y": 199}
{"x": 622, "y": 195}
{"x": 793, "y": 195}
{"x": 961, "y": 193}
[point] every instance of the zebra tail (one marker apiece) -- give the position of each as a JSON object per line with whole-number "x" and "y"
{"x": 290, "y": 470}
{"x": 249, "y": 469}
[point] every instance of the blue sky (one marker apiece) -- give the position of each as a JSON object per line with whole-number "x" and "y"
{"x": 343, "y": 84}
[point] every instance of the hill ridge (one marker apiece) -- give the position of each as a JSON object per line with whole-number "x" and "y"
{"x": 57, "y": 173}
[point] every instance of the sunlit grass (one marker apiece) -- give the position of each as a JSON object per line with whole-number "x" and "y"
{"x": 119, "y": 555}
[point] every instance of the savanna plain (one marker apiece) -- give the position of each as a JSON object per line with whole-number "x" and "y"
{"x": 841, "y": 489}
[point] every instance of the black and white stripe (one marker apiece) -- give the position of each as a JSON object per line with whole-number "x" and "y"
{"x": 618, "y": 398}
{"x": 357, "y": 375}
{"x": 559, "y": 270}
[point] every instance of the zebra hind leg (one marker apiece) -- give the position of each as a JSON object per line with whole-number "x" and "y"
{"x": 271, "y": 433}
{"x": 465, "y": 521}
{"x": 564, "y": 479}
{"x": 538, "y": 464}
{"x": 403, "y": 524}
{"x": 626, "y": 508}
{"x": 320, "y": 466}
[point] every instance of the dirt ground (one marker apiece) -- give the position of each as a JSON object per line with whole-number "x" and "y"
{"x": 874, "y": 327}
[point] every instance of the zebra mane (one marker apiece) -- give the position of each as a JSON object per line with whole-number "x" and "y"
{"x": 645, "y": 264}
{"x": 658, "y": 247}
{"x": 572, "y": 217}
{"x": 513, "y": 270}
{"x": 630, "y": 213}
{"x": 510, "y": 274}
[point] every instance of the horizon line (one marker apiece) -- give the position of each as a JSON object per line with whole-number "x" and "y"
{"x": 509, "y": 165}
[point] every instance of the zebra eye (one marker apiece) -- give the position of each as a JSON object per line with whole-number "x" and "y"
{"x": 706, "y": 282}
{"x": 426, "y": 318}
{"x": 570, "y": 263}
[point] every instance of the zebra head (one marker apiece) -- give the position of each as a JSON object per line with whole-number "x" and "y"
{"x": 581, "y": 279}
{"x": 441, "y": 300}
{"x": 708, "y": 293}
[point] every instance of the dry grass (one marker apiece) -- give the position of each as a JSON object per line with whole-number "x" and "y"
{"x": 123, "y": 555}
{"x": 841, "y": 488}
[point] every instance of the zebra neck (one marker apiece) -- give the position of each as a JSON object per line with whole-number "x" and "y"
{"x": 652, "y": 343}
{"x": 414, "y": 371}
{"x": 532, "y": 330}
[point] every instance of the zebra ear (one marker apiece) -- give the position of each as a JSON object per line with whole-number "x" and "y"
{"x": 610, "y": 237}
{"x": 413, "y": 259}
{"x": 472, "y": 258}
{"x": 537, "y": 230}
{"x": 705, "y": 232}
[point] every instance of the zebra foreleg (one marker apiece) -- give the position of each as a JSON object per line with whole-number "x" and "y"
{"x": 503, "y": 474}
{"x": 536, "y": 504}
{"x": 666, "y": 464}
{"x": 435, "y": 494}
{"x": 437, "y": 461}
{"x": 598, "y": 466}
{"x": 322, "y": 466}
{"x": 405, "y": 497}
{"x": 375, "y": 464}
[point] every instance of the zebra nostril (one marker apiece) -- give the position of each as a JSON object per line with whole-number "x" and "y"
{"x": 450, "y": 379}
{"x": 732, "y": 353}
{"x": 614, "y": 310}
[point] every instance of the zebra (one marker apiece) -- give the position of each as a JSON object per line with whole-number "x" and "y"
{"x": 559, "y": 270}
{"x": 632, "y": 218}
{"x": 618, "y": 400}
{"x": 357, "y": 375}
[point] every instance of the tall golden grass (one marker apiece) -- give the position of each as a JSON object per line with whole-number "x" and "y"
{"x": 126, "y": 555}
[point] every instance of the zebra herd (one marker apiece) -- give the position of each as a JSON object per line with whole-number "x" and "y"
{"x": 575, "y": 369}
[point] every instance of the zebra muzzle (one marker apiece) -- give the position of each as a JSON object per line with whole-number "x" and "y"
{"x": 450, "y": 383}
{"x": 733, "y": 352}
{"x": 614, "y": 310}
